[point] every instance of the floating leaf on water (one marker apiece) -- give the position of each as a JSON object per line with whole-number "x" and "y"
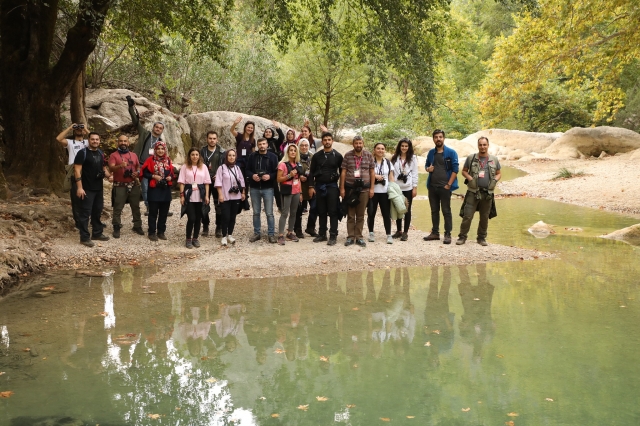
{"x": 178, "y": 408}
{"x": 385, "y": 419}
{"x": 549, "y": 399}
{"x": 279, "y": 351}
{"x": 204, "y": 358}
{"x": 324, "y": 358}
{"x": 275, "y": 415}
{"x": 6, "y": 394}
{"x": 500, "y": 356}
{"x": 322, "y": 398}
{"x": 510, "y": 423}
{"x": 428, "y": 344}
{"x": 411, "y": 417}
{"x": 466, "y": 410}
{"x": 212, "y": 380}
{"x": 436, "y": 331}
{"x": 104, "y": 314}
{"x": 303, "y": 407}
{"x": 351, "y": 405}
{"x": 153, "y": 416}
{"x": 512, "y": 414}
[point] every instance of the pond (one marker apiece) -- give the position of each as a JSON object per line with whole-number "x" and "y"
{"x": 551, "y": 342}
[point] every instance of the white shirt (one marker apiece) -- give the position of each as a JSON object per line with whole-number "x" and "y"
{"x": 73, "y": 147}
{"x": 411, "y": 170}
{"x": 384, "y": 171}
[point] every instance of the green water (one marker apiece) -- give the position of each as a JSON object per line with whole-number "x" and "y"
{"x": 555, "y": 341}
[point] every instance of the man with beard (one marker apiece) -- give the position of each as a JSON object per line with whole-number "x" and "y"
{"x": 125, "y": 167}
{"x": 73, "y": 146}
{"x": 261, "y": 170}
{"x": 212, "y": 156}
{"x": 442, "y": 166}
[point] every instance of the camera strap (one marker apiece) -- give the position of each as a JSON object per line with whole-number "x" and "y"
{"x": 234, "y": 175}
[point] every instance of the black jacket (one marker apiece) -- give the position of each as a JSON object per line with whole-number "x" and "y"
{"x": 267, "y": 163}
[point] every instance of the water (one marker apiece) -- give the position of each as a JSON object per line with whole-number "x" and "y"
{"x": 555, "y": 342}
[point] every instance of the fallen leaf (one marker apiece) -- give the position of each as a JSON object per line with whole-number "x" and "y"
{"x": 510, "y": 423}
{"x": 275, "y": 415}
{"x": 466, "y": 410}
{"x": 355, "y": 309}
{"x": 178, "y": 408}
{"x": 48, "y": 288}
{"x": 549, "y": 399}
{"x": 149, "y": 292}
{"x": 475, "y": 298}
{"x": 2, "y": 372}
{"x": 154, "y": 416}
{"x": 512, "y": 414}
{"x": 436, "y": 331}
{"x": 303, "y": 407}
{"x": 372, "y": 264}
{"x": 351, "y": 405}
{"x": 500, "y": 356}
{"x": 322, "y": 398}
{"x": 262, "y": 398}
{"x": 6, "y": 394}
{"x": 411, "y": 417}
{"x": 212, "y": 380}
{"x": 204, "y": 358}
{"x": 26, "y": 349}
{"x": 279, "y": 351}
{"x": 104, "y": 314}
{"x": 44, "y": 358}
{"x": 324, "y": 358}
{"x": 131, "y": 335}
{"x": 385, "y": 419}
{"x": 146, "y": 286}
{"x": 428, "y": 344}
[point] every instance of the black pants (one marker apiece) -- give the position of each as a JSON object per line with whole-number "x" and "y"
{"x": 440, "y": 198}
{"x": 407, "y": 216}
{"x": 75, "y": 205}
{"x": 194, "y": 218}
{"x": 313, "y": 215}
{"x": 229, "y": 211}
{"x": 276, "y": 195}
{"x": 90, "y": 208}
{"x": 158, "y": 211}
{"x": 381, "y": 199}
{"x": 328, "y": 205}
{"x": 213, "y": 192}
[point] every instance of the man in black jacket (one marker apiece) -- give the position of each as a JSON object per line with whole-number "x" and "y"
{"x": 212, "y": 155}
{"x": 261, "y": 170}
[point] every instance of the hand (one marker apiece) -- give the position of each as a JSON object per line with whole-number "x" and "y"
{"x": 80, "y": 193}
{"x": 301, "y": 198}
{"x": 379, "y": 177}
{"x": 294, "y": 173}
{"x": 206, "y": 200}
{"x": 182, "y": 199}
{"x": 130, "y": 101}
{"x": 85, "y": 131}
{"x": 256, "y": 178}
{"x": 168, "y": 178}
{"x": 414, "y": 192}
{"x": 430, "y": 169}
{"x": 371, "y": 193}
{"x": 157, "y": 178}
{"x": 447, "y": 186}
{"x": 220, "y": 199}
{"x": 237, "y": 120}
{"x": 123, "y": 164}
{"x": 243, "y": 197}
{"x": 312, "y": 192}
{"x": 303, "y": 178}
{"x": 275, "y": 123}
{"x": 266, "y": 177}
{"x": 323, "y": 128}
{"x": 110, "y": 178}
{"x": 342, "y": 193}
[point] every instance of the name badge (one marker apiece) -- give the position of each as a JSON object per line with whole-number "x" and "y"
{"x": 295, "y": 181}
{"x": 244, "y": 152}
{"x": 194, "y": 186}
{"x": 481, "y": 174}
{"x": 150, "y": 151}
{"x": 356, "y": 174}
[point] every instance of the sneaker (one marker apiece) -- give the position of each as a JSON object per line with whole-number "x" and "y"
{"x": 311, "y": 232}
{"x": 482, "y": 242}
{"x": 292, "y": 237}
{"x": 100, "y": 237}
{"x": 153, "y": 237}
{"x": 432, "y": 237}
{"x": 230, "y": 239}
{"x": 332, "y": 241}
{"x": 196, "y": 243}
{"x": 188, "y": 244}
{"x": 273, "y": 239}
{"x": 299, "y": 234}
{"x": 360, "y": 242}
{"x": 461, "y": 241}
{"x": 224, "y": 241}
{"x": 372, "y": 237}
{"x": 116, "y": 233}
{"x": 162, "y": 236}
{"x": 219, "y": 233}
{"x": 87, "y": 243}
{"x": 280, "y": 239}
{"x": 398, "y": 234}
{"x": 138, "y": 230}
{"x": 256, "y": 237}
{"x": 447, "y": 239}
{"x": 349, "y": 242}
{"x": 204, "y": 233}
{"x": 319, "y": 238}
{"x": 146, "y": 213}
{"x": 169, "y": 214}
{"x": 389, "y": 239}
{"x": 404, "y": 236}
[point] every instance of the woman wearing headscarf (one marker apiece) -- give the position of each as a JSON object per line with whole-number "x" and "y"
{"x": 159, "y": 171}
{"x": 194, "y": 183}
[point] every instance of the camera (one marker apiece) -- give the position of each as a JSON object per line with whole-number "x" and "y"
{"x": 381, "y": 182}
{"x": 128, "y": 173}
{"x": 358, "y": 183}
{"x": 261, "y": 173}
{"x": 334, "y": 176}
{"x": 403, "y": 177}
{"x": 234, "y": 189}
{"x": 100, "y": 175}
{"x": 78, "y": 126}
{"x": 162, "y": 183}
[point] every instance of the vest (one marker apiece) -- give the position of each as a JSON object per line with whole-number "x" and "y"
{"x": 474, "y": 170}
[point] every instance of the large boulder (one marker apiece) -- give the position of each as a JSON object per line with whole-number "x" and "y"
{"x": 422, "y": 145}
{"x": 630, "y": 235}
{"x": 513, "y": 144}
{"x": 587, "y": 142}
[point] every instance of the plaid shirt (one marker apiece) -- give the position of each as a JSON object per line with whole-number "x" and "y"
{"x": 349, "y": 163}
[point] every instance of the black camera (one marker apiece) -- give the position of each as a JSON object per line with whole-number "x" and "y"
{"x": 403, "y": 177}
{"x": 100, "y": 175}
{"x": 334, "y": 176}
{"x": 162, "y": 184}
{"x": 234, "y": 189}
{"x": 78, "y": 126}
{"x": 381, "y": 182}
{"x": 358, "y": 183}
{"x": 128, "y": 173}
{"x": 261, "y": 173}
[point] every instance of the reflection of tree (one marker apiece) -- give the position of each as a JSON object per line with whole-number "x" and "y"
{"x": 437, "y": 318}
{"x": 476, "y": 325}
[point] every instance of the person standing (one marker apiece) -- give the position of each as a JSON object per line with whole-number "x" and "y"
{"x": 261, "y": 168}
{"x": 289, "y": 172}
{"x": 144, "y": 147}
{"x": 324, "y": 176}
{"x": 442, "y": 166}
{"x": 73, "y": 146}
{"x": 482, "y": 173}
{"x": 356, "y": 188}
{"x": 158, "y": 170}
{"x": 273, "y": 145}
{"x": 405, "y": 167}
{"x": 229, "y": 184}
{"x": 212, "y": 155}
{"x": 89, "y": 170}
{"x": 383, "y": 175}
{"x": 245, "y": 142}
{"x": 125, "y": 167}
{"x": 194, "y": 183}
{"x": 305, "y": 179}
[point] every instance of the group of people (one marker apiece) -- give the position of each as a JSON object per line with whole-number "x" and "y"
{"x": 292, "y": 170}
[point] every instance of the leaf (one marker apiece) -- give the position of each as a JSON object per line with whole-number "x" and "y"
{"x": 512, "y": 414}
{"x": 149, "y": 292}
{"x": 372, "y": 264}
{"x": 355, "y": 309}
{"x": 411, "y": 417}
{"x": 351, "y": 405}
{"x": 262, "y": 398}
{"x": 500, "y": 356}
{"x": 6, "y": 394}
{"x": 212, "y": 380}
{"x": 26, "y": 349}
{"x": 153, "y": 416}
{"x": 104, "y": 314}
{"x": 303, "y": 407}
{"x": 436, "y": 331}
{"x": 549, "y": 399}
{"x": 204, "y": 358}
{"x": 131, "y": 335}
{"x": 466, "y": 410}
{"x": 324, "y": 358}
{"x": 385, "y": 419}
{"x": 428, "y": 344}
{"x": 510, "y": 423}
{"x": 275, "y": 415}
{"x": 2, "y": 372}
{"x": 279, "y": 351}
{"x": 48, "y": 288}
{"x": 322, "y": 398}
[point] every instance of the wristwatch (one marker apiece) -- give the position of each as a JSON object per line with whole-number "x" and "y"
{"x": 78, "y": 179}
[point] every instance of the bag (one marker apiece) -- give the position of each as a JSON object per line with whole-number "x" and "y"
{"x": 66, "y": 185}
{"x": 353, "y": 198}
{"x": 286, "y": 189}
{"x": 243, "y": 205}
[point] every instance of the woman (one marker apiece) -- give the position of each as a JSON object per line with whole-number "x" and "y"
{"x": 231, "y": 191}
{"x": 159, "y": 171}
{"x": 245, "y": 143}
{"x": 274, "y": 146}
{"x": 289, "y": 179}
{"x": 305, "y": 133}
{"x": 383, "y": 171}
{"x": 305, "y": 162}
{"x": 194, "y": 183}
{"x": 290, "y": 139}
{"x": 405, "y": 165}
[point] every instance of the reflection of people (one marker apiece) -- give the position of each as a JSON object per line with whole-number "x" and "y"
{"x": 476, "y": 325}
{"x": 230, "y": 322}
{"x": 400, "y": 315}
{"x": 379, "y": 326}
{"x": 194, "y": 335}
{"x": 437, "y": 318}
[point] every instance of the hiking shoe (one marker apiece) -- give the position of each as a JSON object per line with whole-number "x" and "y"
{"x": 482, "y": 242}
{"x": 299, "y": 234}
{"x": 311, "y": 232}
{"x": 204, "y": 233}
{"x": 224, "y": 241}
{"x": 189, "y": 243}
{"x": 230, "y": 239}
{"x": 146, "y": 213}
{"x": 162, "y": 236}
{"x": 153, "y": 237}
{"x": 169, "y": 214}
{"x": 432, "y": 237}
{"x": 404, "y": 236}
{"x": 100, "y": 237}
{"x": 281, "y": 240}
{"x": 292, "y": 237}
{"x": 461, "y": 241}
{"x": 389, "y": 239}
{"x": 319, "y": 238}
{"x": 138, "y": 230}
{"x": 254, "y": 238}
{"x": 398, "y": 234}
{"x": 116, "y": 233}
{"x": 332, "y": 241}
{"x": 447, "y": 239}
{"x": 361, "y": 242}
{"x": 219, "y": 233}
{"x": 349, "y": 242}
{"x": 372, "y": 237}
{"x": 87, "y": 243}
{"x": 273, "y": 239}
{"x": 195, "y": 243}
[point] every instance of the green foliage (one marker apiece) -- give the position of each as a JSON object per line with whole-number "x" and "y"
{"x": 390, "y": 131}
{"x": 565, "y": 173}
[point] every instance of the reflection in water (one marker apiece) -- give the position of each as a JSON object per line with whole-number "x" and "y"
{"x": 476, "y": 326}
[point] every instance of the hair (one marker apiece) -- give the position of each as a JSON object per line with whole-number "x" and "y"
{"x": 244, "y": 130}
{"x": 436, "y": 131}
{"x": 120, "y": 135}
{"x": 483, "y": 137}
{"x": 93, "y": 133}
{"x": 264, "y": 134}
{"x": 357, "y": 138}
{"x": 290, "y": 131}
{"x": 398, "y": 153}
{"x": 211, "y": 132}
{"x": 375, "y": 146}
{"x": 188, "y": 162}
{"x": 310, "y": 137}
{"x": 226, "y": 157}
{"x": 285, "y": 158}
{"x": 260, "y": 140}
{"x": 326, "y": 134}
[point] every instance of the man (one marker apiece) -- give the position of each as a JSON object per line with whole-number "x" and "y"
{"x": 145, "y": 144}
{"x": 358, "y": 173}
{"x": 125, "y": 167}
{"x": 73, "y": 146}
{"x": 324, "y": 176}
{"x": 442, "y": 166}
{"x": 89, "y": 170}
{"x": 261, "y": 169}
{"x": 212, "y": 156}
{"x": 482, "y": 173}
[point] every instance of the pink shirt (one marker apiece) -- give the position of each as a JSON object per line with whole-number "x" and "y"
{"x": 226, "y": 179}
{"x": 189, "y": 175}
{"x": 296, "y": 188}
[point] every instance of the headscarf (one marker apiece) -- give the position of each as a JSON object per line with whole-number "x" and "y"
{"x": 160, "y": 164}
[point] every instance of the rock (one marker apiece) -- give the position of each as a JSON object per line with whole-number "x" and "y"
{"x": 504, "y": 142}
{"x": 33, "y": 352}
{"x": 88, "y": 273}
{"x": 100, "y": 124}
{"x": 603, "y": 154}
{"x": 579, "y": 142}
{"x": 422, "y": 145}
{"x": 630, "y": 235}
{"x": 541, "y": 230}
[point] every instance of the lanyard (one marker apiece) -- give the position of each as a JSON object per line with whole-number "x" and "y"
{"x": 208, "y": 157}
{"x": 194, "y": 173}
{"x": 483, "y": 165}
{"x": 355, "y": 159}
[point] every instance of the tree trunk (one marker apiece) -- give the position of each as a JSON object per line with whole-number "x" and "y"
{"x": 327, "y": 107}
{"x": 77, "y": 98}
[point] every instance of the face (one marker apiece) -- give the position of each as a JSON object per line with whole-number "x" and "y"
{"x": 77, "y": 132}
{"x": 157, "y": 129}
{"x": 438, "y": 140}
{"x": 304, "y": 147}
{"x": 212, "y": 140}
{"x": 123, "y": 142}
{"x": 358, "y": 145}
{"x": 194, "y": 157}
{"x": 160, "y": 151}
{"x": 231, "y": 157}
{"x": 483, "y": 146}
{"x": 94, "y": 141}
{"x": 305, "y": 132}
{"x": 268, "y": 133}
{"x": 292, "y": 151}
{"x": 404, "y": 147}
{"x": 262, "y": 146}
{"x": 249, "y": 129}
{"x": 290, "y": 135}
{"x": 379, "y": 151}
{"x": 327, "y": 142}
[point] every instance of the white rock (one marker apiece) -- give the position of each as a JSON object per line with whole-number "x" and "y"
{"x": 541, "y": 230}
{"x": 579, "y": 142}
{"x": 630, "y": 235}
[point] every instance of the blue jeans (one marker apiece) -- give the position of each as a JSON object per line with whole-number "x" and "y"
{"x": 257, "y": 197}
{"x": 144, "y": 186}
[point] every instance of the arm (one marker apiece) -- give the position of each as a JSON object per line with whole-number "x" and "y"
{"x": 218, "y": 185}
{"x": 312, "y": 177}
{"x": 281, "y": 176}
{"x": 391, "y": 176}
{"x": 113, "y": 166}
{"x": 452, "y": 179}
{"x": 62, "y": 136}
{"x": 77, "y": 173}
{"x": 427, "y": 165}
{"x": 456, "y": 167}
{"x": 181, "y": 192}
{"x": 498, "y": 175}
{"x": 467, "y": 176}
{"x": 280, "y": 134}
{"x": 272, "y": 174}
{"x": 233, "y": 126}
{"x": 343, "y": 178}
{"x": 372, "y": 181}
